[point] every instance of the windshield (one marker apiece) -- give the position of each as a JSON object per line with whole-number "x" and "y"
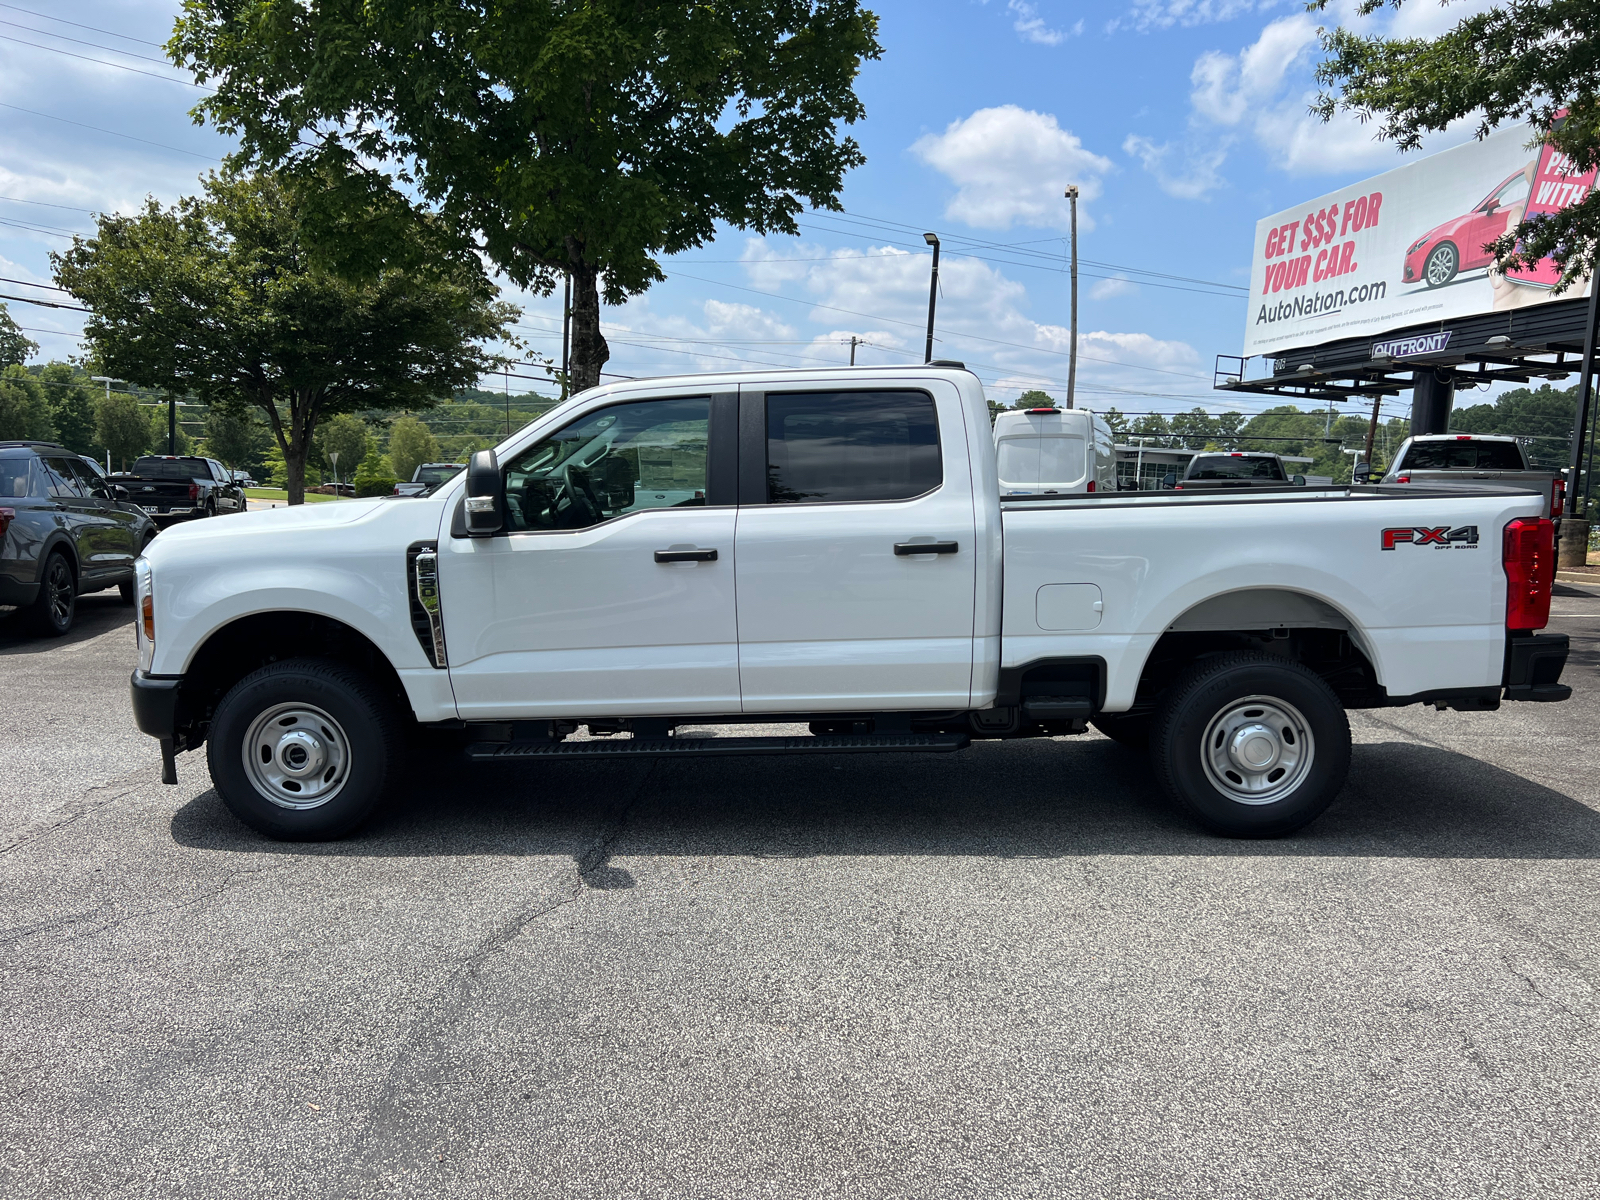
{"x": 172, "y": 468}
{"x": 1233, "y": 466}
{"x": 437, "y": 475}
{"x": 1463, "y": 456}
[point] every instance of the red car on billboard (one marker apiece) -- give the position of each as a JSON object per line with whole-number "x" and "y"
{"x": 1442, "y": 253}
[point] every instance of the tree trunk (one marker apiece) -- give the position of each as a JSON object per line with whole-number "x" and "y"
{"x": 589, "y": 349}
{"x": 294, "y": 465}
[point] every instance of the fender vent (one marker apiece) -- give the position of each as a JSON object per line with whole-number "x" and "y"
{"x": 422, "y": 587}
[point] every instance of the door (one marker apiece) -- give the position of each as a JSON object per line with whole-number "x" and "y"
{"x": 94, "y": 535}
{"x": 116, "y": 535}
{"x": 610, "y": 593}
{"x": 230, "y": 497}
{"x": 855, "y": 552}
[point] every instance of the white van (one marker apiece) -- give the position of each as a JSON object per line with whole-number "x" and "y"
{"x": 1054, "y": 451}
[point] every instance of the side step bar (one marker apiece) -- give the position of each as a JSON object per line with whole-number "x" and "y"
{"x": 691, "y": 747}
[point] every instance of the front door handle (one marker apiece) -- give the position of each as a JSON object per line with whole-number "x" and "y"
{"x": 672, "y": 556}
{"x": 904, "y": 548}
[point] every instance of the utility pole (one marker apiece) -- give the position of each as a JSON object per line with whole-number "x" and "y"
{"x": 1372, "y": 427}
{"x": 508, "y": 399}
{"x": 108, "y": 381}
{"x": 853, "y": 340}
{"x": 1575, "y": 527}
{"x": 566, "y": 334}
{"x": 933, "y": 293}
{"x": 172, "y": 424}
{"x": 1072, "y": 358}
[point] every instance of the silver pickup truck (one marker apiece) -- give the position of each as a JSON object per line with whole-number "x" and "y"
{"x": 1474, "y": 458}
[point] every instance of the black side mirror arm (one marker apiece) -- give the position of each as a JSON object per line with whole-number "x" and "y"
{"x": 486, "y": 495}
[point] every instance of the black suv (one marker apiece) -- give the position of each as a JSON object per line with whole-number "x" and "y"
{"x": 64, "y": 531}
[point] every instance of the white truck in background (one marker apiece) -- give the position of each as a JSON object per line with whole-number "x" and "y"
{"x": 1476, "y": 459}
{"x": 827, "y": 547}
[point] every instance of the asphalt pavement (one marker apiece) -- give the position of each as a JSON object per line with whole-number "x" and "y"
{"x": 1013, "y": 971}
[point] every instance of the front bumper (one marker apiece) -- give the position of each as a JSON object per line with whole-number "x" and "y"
{"x": 155, "y": 704}
{"x": 1533, "y": 667}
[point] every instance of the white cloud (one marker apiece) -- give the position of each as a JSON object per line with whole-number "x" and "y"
{"x": 1011, "y": 166}
{"x": 1164, "y": 14}
{"x": 1199, "y": 174}
{"x": 1117, "y": 285}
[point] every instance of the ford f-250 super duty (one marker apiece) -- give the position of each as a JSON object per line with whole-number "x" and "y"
{"x": 824, "y": 547}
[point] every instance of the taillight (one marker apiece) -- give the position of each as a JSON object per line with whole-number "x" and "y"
{"x": 1530, "y": 550}
{"x": 1558, "y": 500}
{"x": 7, "y": 515}
{"x": 1402, "y": 479}
{"x": 194, "y": 491}
{"x": 1091, "y": 485}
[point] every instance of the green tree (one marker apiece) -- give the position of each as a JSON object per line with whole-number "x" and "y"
{"x": 374, "y": 477}
{"x": 1034, "y": 398}
{"x": 346, "y": 436}
{"x": 224, "y": 297}
{"x": 1513, "y": 62}
{"x": 24, "y": 410}
{"x": 1118, "y": 423}
{"x": 121, "y": 427}
{"x": 157, "y": 416}
{"x": 15, "y": 348}
{"x": 237, "y": 439}
{"x": 71, "y": 408}
{"x": 560, "y": 138}
{"x": 410, "y": 445}
{"x": 1543, "y": 415}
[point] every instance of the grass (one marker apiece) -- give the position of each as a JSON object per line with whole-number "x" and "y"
{"x": 280, "y": 494}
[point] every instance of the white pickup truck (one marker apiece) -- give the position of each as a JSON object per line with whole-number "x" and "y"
{"x": 826, "y": 548}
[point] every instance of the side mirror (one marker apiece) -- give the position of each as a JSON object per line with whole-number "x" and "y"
{"x": 1363, "y": 473}
{"x": 1169, "y": 480}
{"x": 1298, "y": 480}
{"x": 486, "y": 495}
{"x": 118, "y": 492}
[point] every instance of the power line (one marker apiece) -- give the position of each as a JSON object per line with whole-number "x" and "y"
{"x": 35, "y": 227}
{"x": 79, "y": 25}
{"x": 28, "y": 283}
{"x": 80, "y": 42}
{"x": 5, "y": 37}
{"x": 100, "y": 129}
{"x": 47, "y": 204}
{"x": 43, "y": 303}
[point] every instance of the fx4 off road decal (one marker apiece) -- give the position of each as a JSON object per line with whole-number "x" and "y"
{"x": 1416, "y": 535}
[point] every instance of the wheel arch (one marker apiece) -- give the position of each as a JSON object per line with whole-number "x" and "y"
{"x": 58, "y": 540}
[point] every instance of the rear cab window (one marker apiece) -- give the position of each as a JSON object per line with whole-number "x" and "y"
{"x": 837, "y": 447}
{"x": 1463, "y": 456}
{"x": 1228, "y": 466}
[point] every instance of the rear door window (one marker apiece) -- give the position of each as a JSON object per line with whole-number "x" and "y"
{"x": 851, "y": 446}
{"x": 60, "y": 480}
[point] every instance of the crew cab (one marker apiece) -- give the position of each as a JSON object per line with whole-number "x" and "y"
{"x": 174, "y": 487}
{"x": 1471, "y": 459}
{"x": 826, "y": 548}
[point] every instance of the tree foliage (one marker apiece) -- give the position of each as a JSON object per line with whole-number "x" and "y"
{"x": 1543, "y": 415}
{"x": 410, "y": 445}
{"x": 1510, "y": 63}
{"x": 374, "y": 476}
{"x": 24, "y": 410}
{"x": 71, "y": 404}
{"x": 121, "y": 427}
{"x": 346, "y": 435}
{"x": 224, "y": 298}
{"x": 15, "y": 347}
{"x": 558, "y": 137}
{"x": 236, "y": 439}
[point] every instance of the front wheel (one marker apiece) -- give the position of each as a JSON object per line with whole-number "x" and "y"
{"x": 1252, "y": 745}
{"x": 1442, "y": 265}
{"x": 303, "y": 750}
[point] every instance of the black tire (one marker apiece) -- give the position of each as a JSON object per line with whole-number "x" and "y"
{"x": 57, "y": 602}
{"x": 1441, "y": 265}
{"x": 361, "y": 746}
{"x": 1218, "y": 729}
{"x": 1129, "y": 729}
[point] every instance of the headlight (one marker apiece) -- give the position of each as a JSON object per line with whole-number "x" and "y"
{"x": 1417, "y": 245}
{"x": 144, "y": 623}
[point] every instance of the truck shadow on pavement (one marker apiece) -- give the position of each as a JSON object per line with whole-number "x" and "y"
{"x": 1022, "y": 800}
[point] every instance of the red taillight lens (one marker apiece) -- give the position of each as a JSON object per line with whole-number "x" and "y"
{"x": 1558, "y": 499}
{"x": 1402, "y": 479}
{"x": 194, "y": 491}
{"x": 1530, "y": 551}
{"x": 7, "y": 515}
{"x": 1091, "y": 485}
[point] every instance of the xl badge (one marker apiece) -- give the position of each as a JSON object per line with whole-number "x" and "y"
{"x": 1416, "y": 535}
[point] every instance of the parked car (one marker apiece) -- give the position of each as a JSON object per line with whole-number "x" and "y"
{"x": 173, "y": 487}
{"x": 825, "y": 547}
{"x": 1469, "y": 459}
{"x": 64, "y": 531}
{"x": 1051, "y": 451}
{"x": 427, "y": 477}
{"x": 242, "y": 478}
{"x": 1235, "y": 469}
{"x": 1439, "y": 255}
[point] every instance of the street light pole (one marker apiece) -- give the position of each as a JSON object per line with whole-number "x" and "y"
{"x": 108, "y": 380}
{"x": 1072, "y": 358}
{"x": 933, "y": 293}
{"x": 566, "y": 334}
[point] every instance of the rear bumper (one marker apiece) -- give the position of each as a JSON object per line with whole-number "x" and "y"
{"x": 14, "y": 591}
{"x": 1534, "y": 665}
{"x": 155, "y": 704}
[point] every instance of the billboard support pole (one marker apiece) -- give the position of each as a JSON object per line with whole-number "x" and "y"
{"x": 1585, "y": 394}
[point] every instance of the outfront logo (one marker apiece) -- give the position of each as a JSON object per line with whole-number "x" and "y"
{"x": 1427, "y": 343}
{"x": 1443, "y": 536}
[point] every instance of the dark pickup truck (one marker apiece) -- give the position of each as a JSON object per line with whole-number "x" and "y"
{"x": 1235, "y": 469}
{"x": 180, "y": 487}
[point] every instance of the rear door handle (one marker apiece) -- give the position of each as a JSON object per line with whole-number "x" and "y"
{"x": 905, "y": 548}
{"x": 672, "y": 556}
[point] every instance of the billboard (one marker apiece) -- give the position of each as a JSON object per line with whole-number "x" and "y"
{"x": 1407, "y": 247}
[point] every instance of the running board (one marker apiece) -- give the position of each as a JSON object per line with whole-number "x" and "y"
{"x": 691, "y": 747}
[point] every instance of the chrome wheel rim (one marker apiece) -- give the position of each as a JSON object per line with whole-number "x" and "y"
{"x": 296, "y": 755}
{"x": 1257, "y": 750}
{"x": 1440, "y": 266}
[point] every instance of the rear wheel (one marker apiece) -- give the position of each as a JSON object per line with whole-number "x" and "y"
{"x": 303, "y": 750}
{"x": 53, "y": 609}
{"x": 1251, "y": 745}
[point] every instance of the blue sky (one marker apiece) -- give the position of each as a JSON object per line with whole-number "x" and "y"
{"x": 1182, "y": 121}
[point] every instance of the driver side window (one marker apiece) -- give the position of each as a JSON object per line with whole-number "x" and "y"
{"x": 611, "y": 462}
